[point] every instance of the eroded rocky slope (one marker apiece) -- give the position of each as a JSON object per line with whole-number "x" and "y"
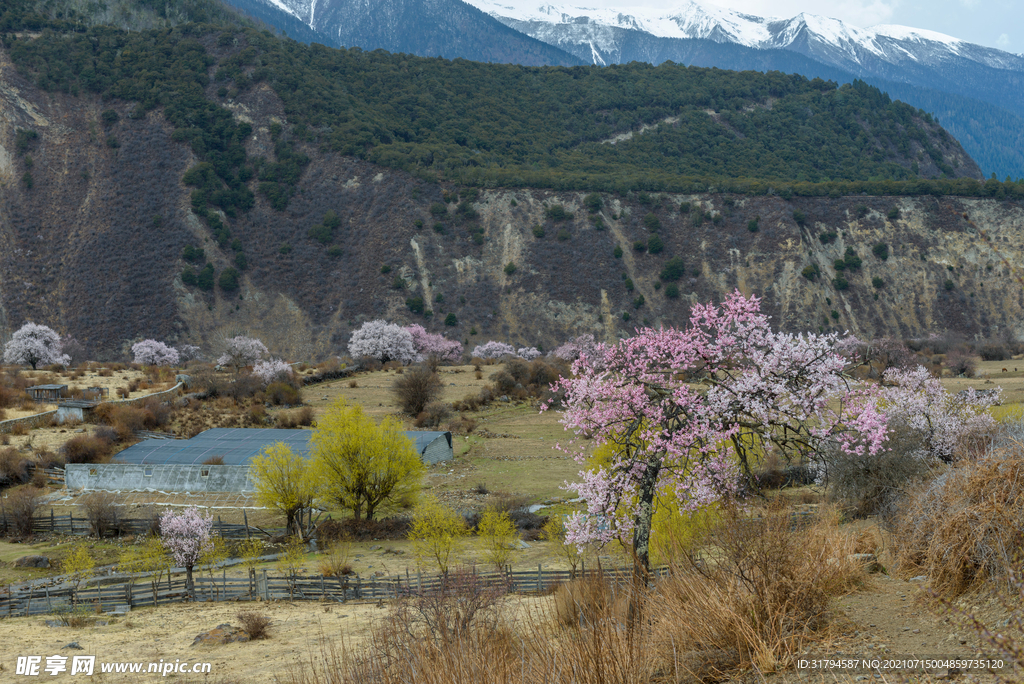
{"x": 93, "y": 244}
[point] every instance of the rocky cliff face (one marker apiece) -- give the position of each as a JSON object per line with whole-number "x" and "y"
{"x": 94, "y": 219}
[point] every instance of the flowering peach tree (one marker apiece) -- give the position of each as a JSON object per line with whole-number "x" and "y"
{"x": 687, "y": 411}
{"x": 35, "y": 345}
{"x": 186, "y": 535}
{"x": 154, "y": 353}
{"x": 241, "y": 351}
{"x": 947, "y": 422}
{"x": 428, "y": 344}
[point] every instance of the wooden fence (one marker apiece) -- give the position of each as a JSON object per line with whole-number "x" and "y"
{"x": 72, "y": 525}
{"x": 128, "y": 593}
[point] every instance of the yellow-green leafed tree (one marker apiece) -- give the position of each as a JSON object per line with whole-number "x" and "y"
{"x": 78, "y": 565}
{"x": 499, "y": 535}
{"x": 283, "y": 480}
{"x": 554, "y": 532}
{"x": 437, "y": 533}
{"x": 365, "y": 467}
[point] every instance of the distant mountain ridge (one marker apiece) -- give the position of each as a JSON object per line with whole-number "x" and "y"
{"x": 985, "y": 85}
{"x": 428, "y": 28}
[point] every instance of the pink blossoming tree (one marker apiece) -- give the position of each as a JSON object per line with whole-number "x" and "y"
{"x": 35, "y": 344}
{"x": 686, "y": 410}
{"x": 242, "y": 351}
{"x": 528, "y": 353}
{"x": 429, "y": 345}
{"x": 154, "y": 353}
{"x": 382, "y": 341}
{"x": 947, "y": 421}
{"x": 186, "y": 535}
{"x": 272, "y": 370}
{"x": 493, "y": 350}
{"x": 584, "y": 345}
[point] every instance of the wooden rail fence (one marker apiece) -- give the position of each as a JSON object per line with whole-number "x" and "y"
{"x": 71, "y": 525}
{"x": 129, "y": 593}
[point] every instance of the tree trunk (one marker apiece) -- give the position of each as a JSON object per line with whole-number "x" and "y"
{"x": 642, "y": 536}
{"x": 190, "y": 587}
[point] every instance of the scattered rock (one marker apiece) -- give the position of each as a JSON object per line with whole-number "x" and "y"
{"x": 919, "y": 578}
{"x": 376, "y": 547}
{"x": 868, "y": 560}
{"x": 74, "y": 645}
{"x": 222, "y": 634}
{"x": 32, "y": 562}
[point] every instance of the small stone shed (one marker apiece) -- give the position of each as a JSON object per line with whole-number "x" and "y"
{"x": 48, "y": 393}
{"x": 216, "y": 460}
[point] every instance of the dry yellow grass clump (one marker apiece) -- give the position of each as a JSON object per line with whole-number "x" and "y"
{"x": 753, "y": 594}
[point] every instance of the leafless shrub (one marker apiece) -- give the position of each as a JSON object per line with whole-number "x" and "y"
{"x": 297, "y": 418}
{"x": 102, "y": 513}
{"x": 961, "y": 361}
{"x": 13, "y": 467}
{"x": 417, "y": 388}
{"x": 255, "y": 624}
{"x": 86, "y": 449}
{"x": 462, "y": 425}
{"x": 21, "y": 506}
{"x": 433, "y": 414}
{"x": 464, "y": 602}
{"x": 335, "y": 560}
{"x": 867, "y": 484}
{"x": 966, "y": 525}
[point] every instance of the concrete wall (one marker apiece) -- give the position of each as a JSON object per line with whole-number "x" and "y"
{"x": 437, "y": 451}
{"x": 163, "y": 478}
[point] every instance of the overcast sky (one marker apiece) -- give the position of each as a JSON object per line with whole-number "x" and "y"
{"x": 995, "y": 23}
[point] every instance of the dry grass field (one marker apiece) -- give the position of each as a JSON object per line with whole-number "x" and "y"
{"x": 509, "y": 453}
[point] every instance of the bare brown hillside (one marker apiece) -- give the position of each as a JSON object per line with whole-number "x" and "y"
{"x": 94, "y": 248}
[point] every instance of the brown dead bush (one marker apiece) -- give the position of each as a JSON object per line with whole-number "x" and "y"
{"x": 102, "y": 513}
{"x": 433, "y": 414}
{"x": 282, "y": 393}
{"x": 13, "y": 467}
{"x": 966, "y": 525}
{"x": 86, "y": 449}
{"x": 21, "y": 505}
{"x": 293, "y": 419}
{"x": 255, "y": 624}
{"x": 417, "y": 388}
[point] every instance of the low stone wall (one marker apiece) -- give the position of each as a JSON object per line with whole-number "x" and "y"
{"x": 165, "y": 395}
{"x": 33, "y": 421}
{"x": 159, "y": 478}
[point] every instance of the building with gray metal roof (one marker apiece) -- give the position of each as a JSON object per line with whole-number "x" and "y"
{"x": 216, "y": 460}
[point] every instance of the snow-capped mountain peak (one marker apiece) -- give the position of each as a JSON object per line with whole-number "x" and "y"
{"x": 819, "y": 34}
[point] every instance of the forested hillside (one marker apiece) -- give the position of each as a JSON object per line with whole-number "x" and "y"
{"x": 194, "y": 181}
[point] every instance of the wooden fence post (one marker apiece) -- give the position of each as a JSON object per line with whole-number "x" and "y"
{"x": 540, "y": 578}
{"x": 53, "y": 527}
{"x": 246, "y": 519}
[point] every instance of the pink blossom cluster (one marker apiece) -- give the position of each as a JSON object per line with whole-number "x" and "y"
{"x": 683, "y": 408}
{"x": 189, "y": 352}
{"x": 241, "y": 351}
{"x": 429, "y": 345}
{"x": 154, "y": 353}
{"x": 493, "y": 350}
{"x": 529, "y": 353}
{"x": 35, "y": 345}
{"x": 272, "y": 370}
{"x": 382, "y": 341}
{"x": 186, "y": 535}
{"x": 916, "y": 399}
{"x": 584, "y": 345}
